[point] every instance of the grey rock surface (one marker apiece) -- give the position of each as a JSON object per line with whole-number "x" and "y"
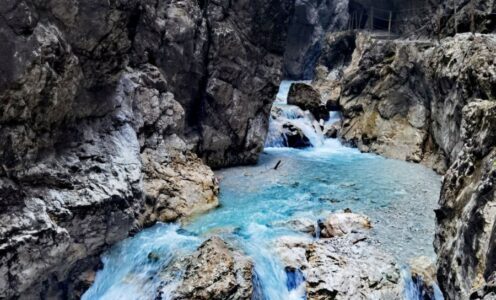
{"x": 310, "y": 21}
{"x": 216, "y": 272}
{"x": 434, "y": 104}
{"x": 307, "y": 98}
{"x": 346, "y": 266}
{"x": 105, "y": 109}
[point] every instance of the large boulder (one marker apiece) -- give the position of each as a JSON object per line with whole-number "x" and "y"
{"x": 216, "y": 272}
{"x": 339, "y": 224}
{"x": 347, "y": 267}
{"x": 307, "y": 98}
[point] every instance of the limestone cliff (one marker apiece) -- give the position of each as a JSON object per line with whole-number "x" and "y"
{"x": 432, "y": 103}
{"x": 105, "y": 106}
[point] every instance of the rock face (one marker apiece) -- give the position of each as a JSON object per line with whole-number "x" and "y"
{"x": 465, "y": 234}
{"x": 104, "y": 109}
{"x": 471, "y": 16}
{"x": 310, "y": 20}
{"x": 434, "y": 104}
{"x": 216, "y": 272}
{"x": 404, "y": 100}
{"x": 244, "y": 70}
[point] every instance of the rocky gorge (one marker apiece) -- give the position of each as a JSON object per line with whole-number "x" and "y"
{"x": 113, "y": 115}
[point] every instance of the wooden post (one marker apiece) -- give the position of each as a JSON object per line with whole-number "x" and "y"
{"x": 454, "y": 16}
{"x": 389, "y": 26}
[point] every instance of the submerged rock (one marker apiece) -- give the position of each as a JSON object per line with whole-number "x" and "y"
{"x": 216, "y": 272}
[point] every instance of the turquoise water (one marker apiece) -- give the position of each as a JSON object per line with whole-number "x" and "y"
{"x": 399, "y": 197}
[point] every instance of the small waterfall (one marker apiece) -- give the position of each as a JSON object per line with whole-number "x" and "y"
{"x": 417, "y": 289}
{"x": 289, "y": 120}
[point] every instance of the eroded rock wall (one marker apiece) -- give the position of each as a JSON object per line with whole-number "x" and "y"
{"x": 404, "y": 99}
{"x": 104, "y": 108}
{"x": 433, "y": 103}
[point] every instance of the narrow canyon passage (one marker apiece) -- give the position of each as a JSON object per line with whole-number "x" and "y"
{"x": 259, "y": 207}
{"x": 147, "y": 154}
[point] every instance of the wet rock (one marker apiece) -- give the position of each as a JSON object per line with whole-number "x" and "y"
{"x": 294, "y": 137}
{"x": 303, "y": 225}
{"x": 423, "y": 272}
{"x": 331, "y": 131}
{"x": 216, "y": 272}
{"x": 307, "y": 98}
{"x": 339, "y": 224}
{"x": 346, "y": 267}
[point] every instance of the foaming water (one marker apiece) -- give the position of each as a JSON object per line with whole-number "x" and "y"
{"x": 293, "y": 115}
{"x": 398, "y": 196}
{"x": 304, "y": 121}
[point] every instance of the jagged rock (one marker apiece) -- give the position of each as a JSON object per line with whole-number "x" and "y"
{"x": 465, "y": 235}
{"x": 339, "y": 224}
{"x": 471, "y": 16}
{"x": 310, "y": 21}
{"x": 216, "y": 272}
{"x": 336, "y": 55}
{"x": 102, "y": 106}
{"x": 346, "y": 267}
{"x": 423, "y": 272}
{"x": 294, "y": 137}
{"x": 239, "y": 92}
{"x": 403, "y": 99}
{"x": 307, "y": 98}
{"x": 342, "y": 264}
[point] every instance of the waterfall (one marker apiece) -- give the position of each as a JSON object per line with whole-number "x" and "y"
{"x": 418, "y": 289}
{"x": 284, "y": 116}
